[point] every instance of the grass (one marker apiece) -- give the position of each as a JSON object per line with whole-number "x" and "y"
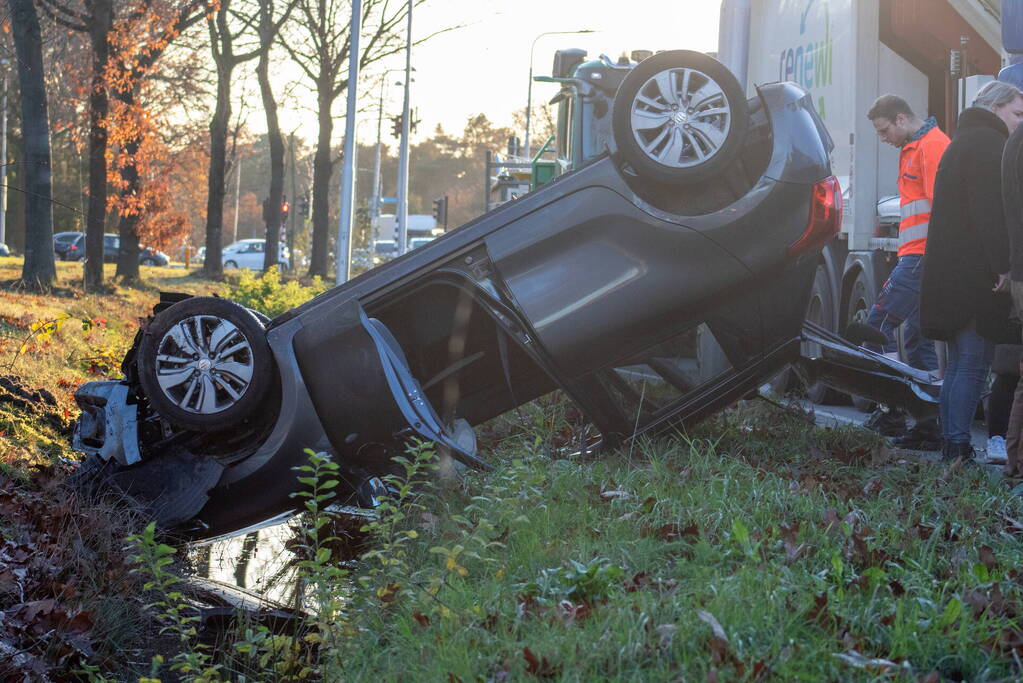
{"x": 757, "y": 546}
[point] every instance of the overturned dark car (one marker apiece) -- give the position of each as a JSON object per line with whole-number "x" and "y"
{"x": 656, "y": 284}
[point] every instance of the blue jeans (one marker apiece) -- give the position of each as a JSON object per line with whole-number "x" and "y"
{"x": 969, "y": 362}
{"x": 899, "y": 302}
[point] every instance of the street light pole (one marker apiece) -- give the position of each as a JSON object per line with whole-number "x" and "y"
{"x": 529, "y": 90}
{"x": 402, "y": 208}
{"x": 375, "y": 203}
{"x": 344, "y": 227}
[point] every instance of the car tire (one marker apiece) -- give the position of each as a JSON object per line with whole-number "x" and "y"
{"x": 858, "y": 305}
{"x": 666, "y": 136}
{"x": 230, "y": 264}
{"x": 197, "y": 387}
{"x": 148, "y": 262}
{"x": 80, "y": 259}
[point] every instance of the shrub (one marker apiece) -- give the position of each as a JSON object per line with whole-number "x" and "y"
{"x": 268, "y": 295}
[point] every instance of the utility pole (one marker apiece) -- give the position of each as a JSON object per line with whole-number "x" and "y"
{"x": 374, "y": 207}
{"x": 237, "y": 195}
{"x": 344, "y": 228}
{"x": 294, "y": 198}
{"x": 3, "y": 157}
{"x": 401, "y": 214}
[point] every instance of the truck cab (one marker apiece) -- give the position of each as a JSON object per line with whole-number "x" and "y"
{"x": 588, "y": 87}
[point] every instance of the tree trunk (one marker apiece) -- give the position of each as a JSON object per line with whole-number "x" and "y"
{"x": 99, "y": 29}
{"x": 212, "y": 266}
{"x": 128, "y": 225}
{"x": 322, "y": 169}
{"x": 273, "y": 133}
{"x": 38, "y": 269}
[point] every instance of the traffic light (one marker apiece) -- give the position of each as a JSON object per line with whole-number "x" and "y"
{"x": 440, "y": 211}
{"x": 396, "y": 129}
{"x": 303, "y": 207}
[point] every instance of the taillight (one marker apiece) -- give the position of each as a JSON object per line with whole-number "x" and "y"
{"x": 73, "y": 247}
{"x": 825, "y": 217}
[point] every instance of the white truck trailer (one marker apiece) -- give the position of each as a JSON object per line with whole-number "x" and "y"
{"x": 846, "y": 53}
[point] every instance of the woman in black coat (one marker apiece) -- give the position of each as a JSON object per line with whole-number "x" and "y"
{"x": 963, "y": 298}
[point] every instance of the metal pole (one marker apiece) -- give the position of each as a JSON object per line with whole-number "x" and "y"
{"x": 344, "y": 227}
{"x": 3, "y": 159}
{"x": 401, "y": 213}
{"x": 529, "y": 98}
{"x": 294, "y": 197}
{"x": 237, "y": 194}
{"x": 375, "y": 203}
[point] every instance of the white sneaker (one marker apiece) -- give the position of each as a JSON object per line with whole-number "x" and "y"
{"x": 996, "y": 450}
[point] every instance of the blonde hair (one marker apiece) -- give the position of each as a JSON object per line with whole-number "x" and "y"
{"x": 996, "y": 94}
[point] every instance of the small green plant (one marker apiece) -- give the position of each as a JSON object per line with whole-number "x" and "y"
{"x": 194, "y": 662}
{"x": 590, "y": 582}
{"x": 268, "y": 295}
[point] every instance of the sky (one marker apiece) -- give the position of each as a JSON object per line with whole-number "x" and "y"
{"x": 484, "y": 66}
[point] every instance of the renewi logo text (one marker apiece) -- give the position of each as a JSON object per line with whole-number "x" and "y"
{"x": 809, "y": 64}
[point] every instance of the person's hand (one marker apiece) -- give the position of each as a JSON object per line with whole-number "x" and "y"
{"x": 1003, "y": 283}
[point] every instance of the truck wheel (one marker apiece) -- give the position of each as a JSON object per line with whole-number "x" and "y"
{"x": 205, "y": 364}
{"x": 858, "y": 305}
{"x": 679, "y": 117}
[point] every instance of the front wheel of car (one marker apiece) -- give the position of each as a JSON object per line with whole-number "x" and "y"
{"x": 148, "y": 262}
{"x": 205, "y": 364}
{"x": 230, "y": 264}
{"x": 679, "y": 117}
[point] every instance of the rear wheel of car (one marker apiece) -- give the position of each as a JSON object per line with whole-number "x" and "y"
{"x": 230, "y": 264}
{"x": 679, "y": 117}
{"x": 80, "y": 259}
{"x": 148, "y": 262}
{"x": 205, "y": 364}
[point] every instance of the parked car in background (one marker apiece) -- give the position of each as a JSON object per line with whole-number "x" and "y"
{"x": 75, "y": 250}
{"x": 384, "y": 250}
{"x": 417, "y": 242}
{"x": 248, "y": 253}
{"x": 62, "y": 242}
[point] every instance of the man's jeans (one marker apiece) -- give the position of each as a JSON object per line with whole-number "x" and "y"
{"x": 969, "y": 363}
{"x": 897, "y": 303}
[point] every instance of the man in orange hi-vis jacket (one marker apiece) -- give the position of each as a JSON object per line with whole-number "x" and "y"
{"x": 921, "y": 143}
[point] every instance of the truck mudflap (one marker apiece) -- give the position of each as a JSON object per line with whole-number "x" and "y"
{"x": 845, "y": 366}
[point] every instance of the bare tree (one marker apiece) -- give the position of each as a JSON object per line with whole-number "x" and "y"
{"x": 269, "y": 28}
{"x": 226, "y": 27}
{"x": 38, "y": 269}
{"x": 320, "y": 46}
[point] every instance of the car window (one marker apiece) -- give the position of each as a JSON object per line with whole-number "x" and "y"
{"x": 111, "y": 242}
{"x": 66, "y": 239}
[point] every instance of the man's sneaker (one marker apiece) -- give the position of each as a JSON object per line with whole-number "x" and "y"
{"x": 996, "y": 450}
{"x": 886, "y": 422}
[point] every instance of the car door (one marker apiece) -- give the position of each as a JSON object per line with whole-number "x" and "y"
{"x": 111, "y": 248}
{"x": 254, "y": 256}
